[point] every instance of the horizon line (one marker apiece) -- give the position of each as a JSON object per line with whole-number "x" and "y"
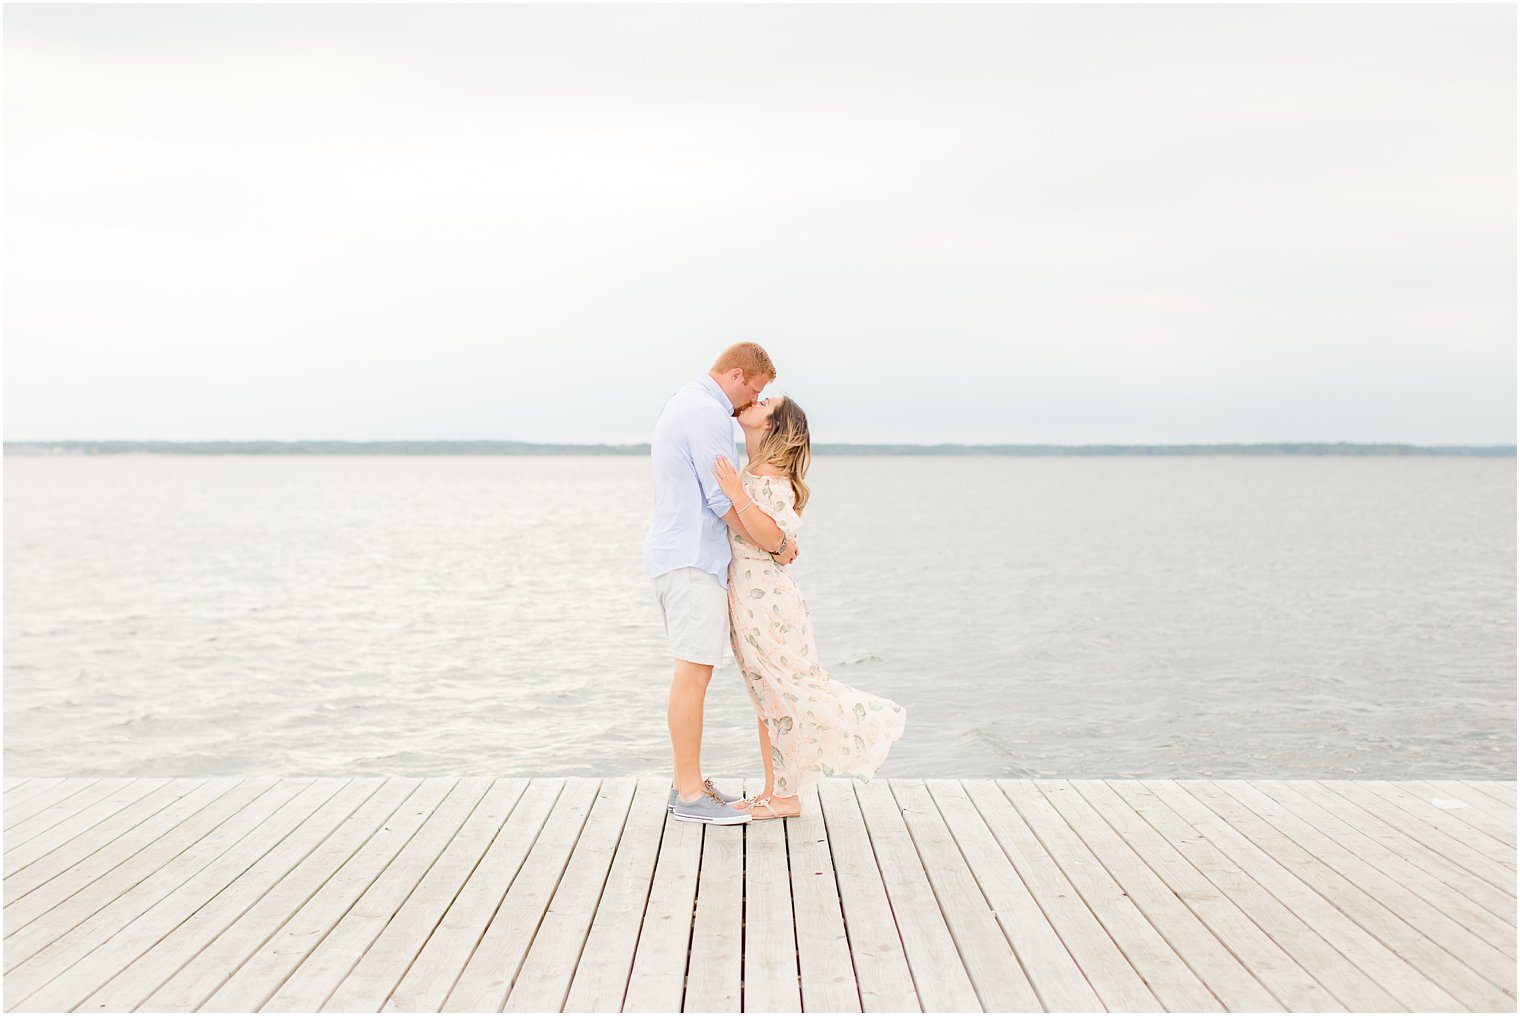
{"x": 416, "y": 446}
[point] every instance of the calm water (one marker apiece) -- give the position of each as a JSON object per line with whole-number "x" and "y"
{"x": 1199, "y": 616}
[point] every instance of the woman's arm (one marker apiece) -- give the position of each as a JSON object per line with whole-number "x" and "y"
{"x": 752, "y": 523}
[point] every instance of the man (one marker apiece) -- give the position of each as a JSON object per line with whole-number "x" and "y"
{"x": 687, "y": 556}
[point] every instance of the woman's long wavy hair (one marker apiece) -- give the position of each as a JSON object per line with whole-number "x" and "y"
{"x": 788, "y": 447}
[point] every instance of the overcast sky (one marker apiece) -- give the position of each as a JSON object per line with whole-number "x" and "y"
{"x": 1069, "y": 224}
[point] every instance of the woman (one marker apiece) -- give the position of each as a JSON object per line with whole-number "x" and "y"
{"x": 810, "y": 726}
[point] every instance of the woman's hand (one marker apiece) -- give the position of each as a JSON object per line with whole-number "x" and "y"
{"x": 729, "y": 480}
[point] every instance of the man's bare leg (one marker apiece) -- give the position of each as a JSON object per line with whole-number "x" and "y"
{"x": 683, "y": 713}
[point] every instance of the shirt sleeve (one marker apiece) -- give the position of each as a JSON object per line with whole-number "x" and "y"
{"x": 708, "y": 443}
{"x": 778, "y": 504}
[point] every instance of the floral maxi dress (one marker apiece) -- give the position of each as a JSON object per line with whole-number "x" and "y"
{"x": 818, "y": 726}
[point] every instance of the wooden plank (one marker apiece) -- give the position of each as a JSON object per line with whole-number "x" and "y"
{"x": 256, "y": 982}
{"x": 1434, "y": 965}
{"x": 658, "y": 980}
{"x": 1476, "y": 809}
{"x": 51, "y": 788}
{"x": 45, "y": 916}
{"x": 1055, "y": 976}
{"x": 29, "y": 877}
{"x": 1490, "y": 845}
{"x": 1222, "y": 973}
{"x": 1485, "y": 895}
{"x": 44, "y": 798}
{"x": 1499, "y": 790}
{"x": 826, "y": 972}
{"x": 48, "y": 818}
{"x": 771, "y": 975}
{"x": 324, "y": 968}
{"x": 214, "y": 962}
{"x": 432, "y": 975}
{"x": 882, "y": 973}
{"x": 1107, "y": 970}
{"x": 712, "y": 976}
{"x": 943, "y": 983}
{"x": 1447, "y": 899}
{"x": 51, "y": 952}
{"x": 19, "y": 855}
{"x": 1291, "y": 985}
{"x": 121, "y": 933}
{"x": 369, "y": 984}
{"x": 1433, "y": 839}
{"x": 1001, "y": 983}
{"x": 488, "y": 976}
{"x": 1165, "y": 973}
{"x": 132, "y": 986}
{"x": 1229, "y": 863}
{"x": 1272, "y": 863}
{"x": 601, "y": 980}
{"x": 16, "y": 783}
{"x": 1468, "y": 968}
{"x": 543, "y": 983}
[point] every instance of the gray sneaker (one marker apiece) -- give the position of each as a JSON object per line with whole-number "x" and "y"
{"x": 707, "y": 785}
{"x": 709, "y": 810}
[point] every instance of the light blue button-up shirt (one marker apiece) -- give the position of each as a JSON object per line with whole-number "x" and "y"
{"x": 695, "y": 427}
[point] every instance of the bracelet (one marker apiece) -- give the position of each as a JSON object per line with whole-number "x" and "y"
{"x": 780, "y": 548}
{"x": 747, "y": 507}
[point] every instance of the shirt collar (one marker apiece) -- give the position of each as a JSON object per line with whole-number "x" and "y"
{"x": 716, "y": 392}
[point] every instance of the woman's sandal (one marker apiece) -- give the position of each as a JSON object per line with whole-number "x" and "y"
{"x": 764, "y": 802}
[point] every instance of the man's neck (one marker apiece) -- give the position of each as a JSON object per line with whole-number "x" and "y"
{"x": 718, "y": 380}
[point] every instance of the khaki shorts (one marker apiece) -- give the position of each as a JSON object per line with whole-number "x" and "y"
{"x": 695, "y": 606}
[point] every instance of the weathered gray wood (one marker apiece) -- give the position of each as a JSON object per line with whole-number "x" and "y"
{"x": 42, "y": 917}
{"x": 1109, "y": 973}
{"x": 944, "y": 985}
{"x": 418, "y": 895}
{"x": 261, "y": 975}
{"x": 825, "y": 969}
{"x": 121, "y": 932}
{"x": 431, "y": 976}
{"x": 51, "y": 951}
{"x": 18, "y": 854}
{"x": 1428, "y": 835}
{"x": 1000, "y": 982}
{"x": 1272, "y": 862}
{"x": 1291, "y": 985}
{"x": 1054, "y": 975}
{"x": 40, "y": 794}
{"x": 544, "y": 980}
{"x": 1488, "y": 844}
{"x": 369, "y": 984}
{"x": 487, "y": 977}
{"x": 46, "y": 819}
{"x": 15, "y": 784}
{"x": 600, "y": 980}
{"x": 1502, "y": 792}
{"x": 1477, "y": 810}
{"x": 771, "y": 976}
{"x": 56, "y": 798}
{"x": 324, "y": 968}
{"x": 39, "y": 872}
{"x": 1446, "y": 889}
{"x": 1459, "y": 961}
{"x": 132, "y": 986}
{"x": 881, "y": 963}
{"x": 1222, "y": 860}
{"x": 658, "y": 980}
{"x": 1165, "y": 973}
{"x": 1193, "y": 942}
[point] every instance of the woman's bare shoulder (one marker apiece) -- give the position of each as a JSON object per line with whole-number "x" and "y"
{"x": 766, "y": 469}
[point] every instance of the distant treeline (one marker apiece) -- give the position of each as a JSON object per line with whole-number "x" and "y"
{"x": 525, "y": 448}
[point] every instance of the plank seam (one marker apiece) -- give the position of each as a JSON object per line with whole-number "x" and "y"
{"x": 648, "y": 892}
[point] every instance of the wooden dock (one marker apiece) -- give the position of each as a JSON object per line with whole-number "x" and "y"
{"x": 521, "y": 895}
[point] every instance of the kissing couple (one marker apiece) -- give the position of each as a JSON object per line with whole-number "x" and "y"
{"x": 718, "y": 549}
